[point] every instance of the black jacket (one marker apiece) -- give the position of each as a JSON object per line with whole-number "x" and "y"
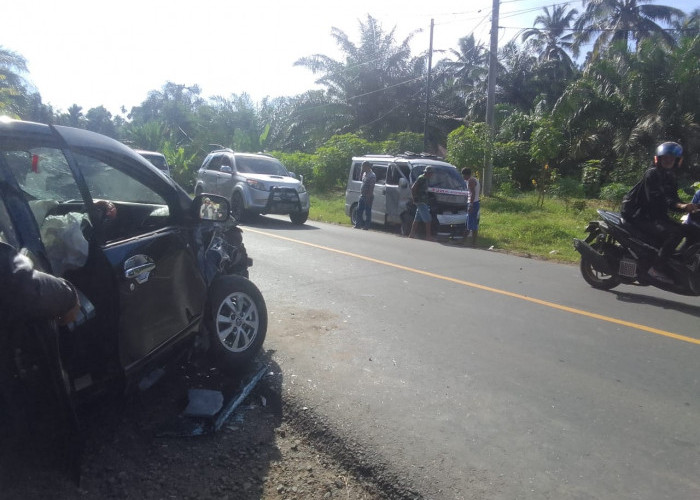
{"x": 26, "y": 292}
{"x": 652, "y": 197}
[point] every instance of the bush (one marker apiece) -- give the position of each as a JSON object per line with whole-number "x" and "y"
{"x": 334, "y": 157}
{"x": 591, "y": 176}
{"x": 566, "y": 188}
{"x": 299, "y": 163}
{"x": 614, "y": 192}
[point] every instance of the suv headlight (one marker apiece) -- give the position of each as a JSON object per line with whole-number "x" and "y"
{"x": 256, "y": 184}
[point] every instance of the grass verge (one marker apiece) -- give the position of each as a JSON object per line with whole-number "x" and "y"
{"x": 512, "y": 224}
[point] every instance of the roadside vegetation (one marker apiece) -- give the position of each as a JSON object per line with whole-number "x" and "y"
{"x": 573, "y": 130}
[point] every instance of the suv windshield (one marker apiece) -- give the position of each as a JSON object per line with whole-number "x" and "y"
{"x": 446, "y": 178}
{"x": 258, "y": 165}
{"x": 157, "y": 160}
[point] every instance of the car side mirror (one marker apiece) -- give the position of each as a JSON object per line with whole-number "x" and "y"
{"x": 403, "y": 183}
{"x": 211, "y": 207}
{"x": 226, "y": 169}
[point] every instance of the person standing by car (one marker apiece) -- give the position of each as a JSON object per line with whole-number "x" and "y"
{"x": 364, "y": 206}
{"x": 419, "y": 190}
{"x": 473, "y": 204}
{"x": 647, "y": 204}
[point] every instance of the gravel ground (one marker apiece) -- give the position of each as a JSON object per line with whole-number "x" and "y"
{"x": 272, "y": 447}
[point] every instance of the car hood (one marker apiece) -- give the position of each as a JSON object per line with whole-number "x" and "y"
{"x": 274, "y": 180}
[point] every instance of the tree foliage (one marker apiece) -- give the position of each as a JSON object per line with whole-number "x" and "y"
{"x": 639, "y": 86}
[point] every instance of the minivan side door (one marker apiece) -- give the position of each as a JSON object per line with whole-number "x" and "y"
{"x": 379, "y": 203}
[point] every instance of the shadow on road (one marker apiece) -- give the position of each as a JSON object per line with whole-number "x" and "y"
{"x": 658, "y": 302}
{"x": 262, "y": 222}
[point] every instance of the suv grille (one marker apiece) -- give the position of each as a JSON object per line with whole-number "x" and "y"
{"x": 452, "y": 199}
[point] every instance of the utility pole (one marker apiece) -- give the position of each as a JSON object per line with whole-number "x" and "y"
{"x": 490, "y": 98}
{"x": 427, "y": 90}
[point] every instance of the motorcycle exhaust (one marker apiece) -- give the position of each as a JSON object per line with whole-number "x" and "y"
{"x": 598, "y": 260}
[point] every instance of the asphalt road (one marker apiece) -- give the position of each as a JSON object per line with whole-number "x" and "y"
{"x": 480, "y": 374}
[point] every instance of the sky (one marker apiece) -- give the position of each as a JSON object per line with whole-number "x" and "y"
{"x": 93, "y": 53}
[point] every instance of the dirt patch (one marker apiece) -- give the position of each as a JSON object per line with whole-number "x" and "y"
{"x": 269, "y": 449}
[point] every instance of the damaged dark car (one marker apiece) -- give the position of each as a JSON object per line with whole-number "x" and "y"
{"x": 160, "y": 275}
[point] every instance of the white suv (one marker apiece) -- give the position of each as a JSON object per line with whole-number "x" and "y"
{"x": 255, "y": 184}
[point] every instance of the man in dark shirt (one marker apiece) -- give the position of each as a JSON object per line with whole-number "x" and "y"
{"x": 646, "y": 206}
{"x": 364, "y": 206}
{"x": 419, "y": 190}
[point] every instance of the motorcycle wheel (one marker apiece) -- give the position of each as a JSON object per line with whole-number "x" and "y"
{"x": 237, "y": 321}
{"x": 595, "y": 278}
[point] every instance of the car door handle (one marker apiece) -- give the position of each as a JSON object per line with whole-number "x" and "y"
{"x": 139, "y": 267}
{"x": 135, "y": 271}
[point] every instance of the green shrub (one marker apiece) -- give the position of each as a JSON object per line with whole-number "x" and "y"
{"x": 299, "y": 163}
{"x": 591, "y": 176}
{"x": 614, "y": 192}
{"x": 334, "y": 157}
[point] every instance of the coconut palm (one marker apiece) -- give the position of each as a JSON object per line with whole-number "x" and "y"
{"x": 553, "y": 39}
{"x": 622, "y": 20}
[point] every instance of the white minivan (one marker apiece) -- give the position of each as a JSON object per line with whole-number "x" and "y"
{"x": 393, "y": 204}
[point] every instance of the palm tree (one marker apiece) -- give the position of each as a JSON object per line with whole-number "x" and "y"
{"x": 471, "y": 64}
{"x": 622, "y": 20}
{"x": 13, "y": 91}
{"x": 460, "y": 81}
{"x": 554, "y": 40}
{"x": 378, "y": 80}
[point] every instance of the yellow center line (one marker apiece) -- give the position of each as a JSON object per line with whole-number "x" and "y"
{"x": 545, "y": 303}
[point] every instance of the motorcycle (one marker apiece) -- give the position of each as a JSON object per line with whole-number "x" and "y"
{"x": 616, "y": 252}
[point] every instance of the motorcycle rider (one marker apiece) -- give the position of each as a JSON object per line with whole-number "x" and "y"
{"x": 647, "y": 204}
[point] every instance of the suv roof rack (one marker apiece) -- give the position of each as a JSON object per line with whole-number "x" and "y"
{"x": 411, "y": 154}
{"x": 219, "y": 147}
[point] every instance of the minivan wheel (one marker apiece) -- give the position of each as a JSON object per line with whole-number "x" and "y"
{"x": 298, "y": 217}
{"x": 237, "y": 207}
{"x": 353, "y": 214}
{"x": 236, "y": 321}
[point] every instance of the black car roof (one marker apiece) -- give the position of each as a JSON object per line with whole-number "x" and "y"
{"x": 77, "y": 139}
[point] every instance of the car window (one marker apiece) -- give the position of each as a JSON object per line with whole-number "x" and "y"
{"x": 157, "y": 160}
{"x": 396, "y": 172}
{"x": 380, "y": 172}
{"x": 43, "y": 174}
{"x": 106, "y": 182}
{"x": 138, "y": 209}
{"x": 260, "y": 165}
{"x": 214, "y": 163}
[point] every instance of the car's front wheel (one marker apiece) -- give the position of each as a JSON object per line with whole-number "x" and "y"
{"x": 236, "y": 320}
{"x": 237, "y": 207}
{"x": 298, "y": 217}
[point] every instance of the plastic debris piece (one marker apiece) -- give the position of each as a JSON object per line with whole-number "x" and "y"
{"x": 203, "y": 403}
